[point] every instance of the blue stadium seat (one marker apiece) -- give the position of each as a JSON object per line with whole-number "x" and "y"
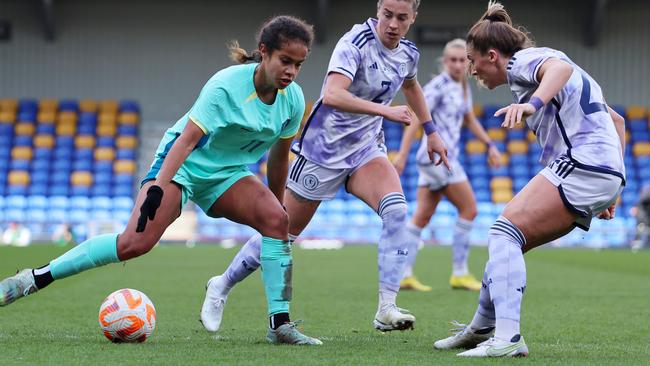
{"x": 125, "y": 154}
{"x": 23, "y": 140}
{"x": 100, "y": 190}
{"x": 38, "y": 189}
{"x": 103, "y": 167}
{"x": 101, "y": 203}
{"x": 105, "y": 141}
{"x": 101, "y": 215}
{"x": 80, "y": 203}
{"x": 2, "y": 202}
{"x": 14, "y": 214}
{"x": 122, "y": 191}
{"x": 86, "y": 129}
{"x": 477, "y": 159}
{"x": 60, "y": 177}
{"x": 76, "y": 191}
{"x": 68, "y": 105}
{"x": 83, "y": 154}
{"x": 4, "y": 166}
{"x": 39, "y": 177}
{"x": 16, "y": 190}
{"x": 88, "y": 118}
{"x": 518, "y": 159}
{"x": 42, "y": 153}
{"x": 483, "y": 195}
{"x": 78, "y": 216}
{"x": 28, "y": 105}
{"x": 82, "y": 165}
{"x": 6, "y": 130}
{"x": 26, "y": 116}
{"x": 64, "y": 141}
{"x": 102, "y": 178}
{"x": 127, "y": 130}
{"x": 38, "y": 215}
{"x": 19, "y": 164}
{"x": 45, "y": 129}
{"x": 129, "y": 106}
{"x": 18, "y": 202}
{"x": 519, "y": 170}
{"x": 478, "y": 171}
{"x": 517, "y": 134}
{"x": 59, "y": 190}
{"x": 519, "y": 183}
{"x": 58, "y": 203}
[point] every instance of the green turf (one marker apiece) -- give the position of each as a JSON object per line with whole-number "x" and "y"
{"x": 581, "y": 307}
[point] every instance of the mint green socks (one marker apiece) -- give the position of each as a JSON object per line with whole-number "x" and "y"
{"x": 94, "y": 252}
{"x": 275, "y": 258}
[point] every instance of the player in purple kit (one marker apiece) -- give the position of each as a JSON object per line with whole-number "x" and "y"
{"x": 342, "y": 145}
{"x": 582, "y": 143}
{"x": 450, "y": 100}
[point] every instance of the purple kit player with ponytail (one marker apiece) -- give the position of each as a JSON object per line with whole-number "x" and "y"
{"x": 581, "y": 139}
{"x": 342, "y": 145}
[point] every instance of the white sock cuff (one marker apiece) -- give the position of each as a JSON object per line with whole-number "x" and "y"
{"x": 464, "y": 225}
{"x": 414, "y": 229}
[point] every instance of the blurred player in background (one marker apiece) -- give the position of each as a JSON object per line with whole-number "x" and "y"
{"x": 342, "y": 145}
{"x": 242, "y": 112}
{"x": 582, "y": 143}
{"x": 449, "y": 99}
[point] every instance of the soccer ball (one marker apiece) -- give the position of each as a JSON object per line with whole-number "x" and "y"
{"x": 127, "y": 315}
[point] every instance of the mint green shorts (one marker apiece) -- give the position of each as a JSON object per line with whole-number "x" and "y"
{"x": 203, "y": 192}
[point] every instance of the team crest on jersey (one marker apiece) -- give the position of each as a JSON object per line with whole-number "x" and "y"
{"x": 310, "y": 181}
{"x": 402, "y": 70}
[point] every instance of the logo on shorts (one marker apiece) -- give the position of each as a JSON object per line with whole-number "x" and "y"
{"x": 310, "y": 181}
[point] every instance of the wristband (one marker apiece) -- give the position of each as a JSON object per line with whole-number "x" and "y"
{"x": 429, "y": 127}
{"x": 536, "y": 102}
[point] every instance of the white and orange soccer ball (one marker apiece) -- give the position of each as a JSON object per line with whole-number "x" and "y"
{"x": 127, "y": 315}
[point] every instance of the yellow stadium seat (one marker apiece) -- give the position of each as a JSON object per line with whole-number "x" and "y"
{"x": 24, "y": 129}
{"x": 501, "y": 183}
{"x": 497, "y": 134}
{"x": 66, "y": 130}
{"x": 124, "y": 166}
{"x": 48, "y": 105}
{"x": 641, "y": 149}
{"x": 263, "y": 168}
{"x": 636, "y": 112}
{"x": 531, "y": 136}
{"x": 128, "y": 118}
{"x": 106, "y": 130}
{"x": 67, "y": 117}
{"x": 104, "y": 153}
{"x": 106, "y": 119}
{"x": 478, "y": 110}
{"x": 517, "y": 147}
{"x": 108, "y": 106}
{"x": 84, "y": 142}
{"x": 81, "y": 179}
{"x": 45, "y": 141}
{"x": 475, "y": 147}
{"x": 502, "y": 196}
{"x": 7, "y": 116}
{"x": 18, "y": 178}
{"x": 88, "y": 105}
{"x": 505, "y": 158}
{"x": 22, "y": 152}
{"x": 126, "y": 142}
{"x": 46, "y": 116}
{"x": 628, "y": 137}
{"x": 9, "y": 105}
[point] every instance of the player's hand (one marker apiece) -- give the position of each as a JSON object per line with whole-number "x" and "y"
{"x": 494, "y": 157}
{"x": 399, "y": 114}
{"x": 515, "y": 114}
{"x": 609, "y": 213}
{"x": 399, "y": 162}
{"x": 149, "y": 207}
{"x": 435, "y": 145}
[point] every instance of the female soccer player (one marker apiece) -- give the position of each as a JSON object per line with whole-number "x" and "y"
{"x": 581, "y": 139}
{"x": 342, "y": 145}
{"x": 242, "y": 112}
{"x": 450, "y": 102}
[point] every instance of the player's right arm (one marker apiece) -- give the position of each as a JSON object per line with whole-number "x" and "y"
{"x": 181, "y": 149}
{"x": 337, "y": 95}
{"x": 619, "y": 124}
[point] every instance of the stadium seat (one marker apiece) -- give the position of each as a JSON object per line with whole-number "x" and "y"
{"x": 128, "y": 118}
{"x": 63, "y": 154}
{"x": 84, "y": 142}
{"x": 100, "y": 189}
{"x": 45, "y": 129}
{"x": 502, "y": 196}
{"x": 68, "y": 105}
{"x": 497, "y": 134}
{"x": 641, "y": 149}
{"x": 501, "y": 183}
{"x": 124, "y": 166}
{"x": 48, "y": 105}
{"x": 475, "y": 147}
{"x": 81, "y": 178}
{"x": 58, "y": 190}
{"x": 7, "y": 117}
{"x": 123, "y": 204}
{"x": 127, "y": 179}
{"x": 8, "y": 104}
{"x": 24, "y": 129}
{"x": 22, "y": 152}
{"x": 126, "y": 142}
{"x": 109, "y": 105}
{"x": 88, "y": 106}
{"x": 23, "y": 140}
{"x": 131, "y": 130}
{"x": 122, "y": 191}
{"x": 37, "y": 202}
{"x": 18, "y": 177}
{"x": 44, "y": 141}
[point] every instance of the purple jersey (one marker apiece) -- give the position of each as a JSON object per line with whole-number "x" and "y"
{"x": 575, "y": 122}
{"x": 337, "y": 139}
{"x": 448, "y": 103}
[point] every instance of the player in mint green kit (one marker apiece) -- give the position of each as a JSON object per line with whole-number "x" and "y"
{"x": 242, "y": 112}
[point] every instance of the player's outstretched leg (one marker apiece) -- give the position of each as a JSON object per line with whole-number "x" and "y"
{"x": 392, "y": 252}
{"x": 94, "y": 252}
{"x": 506, "y": 279}
{"x": 218, "y": 288}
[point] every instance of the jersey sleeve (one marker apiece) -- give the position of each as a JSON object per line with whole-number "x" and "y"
{"x": 345, "y": 59}
{"x": 206, "y": 111}
{"x": 298, "y": 104}
{"x": 523, "y": 66}
{"x": 413, "y": 72}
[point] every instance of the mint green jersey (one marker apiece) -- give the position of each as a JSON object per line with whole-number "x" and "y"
{"x": 239, "y": 128}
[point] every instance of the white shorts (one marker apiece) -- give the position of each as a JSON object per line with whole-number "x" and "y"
{"x": 438, "y": 177}
{"x": 318, "y": 183}
{"x": 585, "y": 190}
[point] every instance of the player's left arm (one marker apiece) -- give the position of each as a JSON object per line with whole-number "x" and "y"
{"x": 553, "y": 74}
{"x": 494, "y": 156}
{"x": 415, "y": 99}
{"x": 619, "y": 124}
{"x": 277, "y": 166}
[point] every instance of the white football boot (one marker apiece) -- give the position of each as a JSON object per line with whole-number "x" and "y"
{"x": 289, "y": 333}
{"x": 495, "y": 347}
{"x": 216, "y": 294}
{"x": 390, "y": 317}
{"x": 19, "y": 285}
{"x": 463, "y": 336}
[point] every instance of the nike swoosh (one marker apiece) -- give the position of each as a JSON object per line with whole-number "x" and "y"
{"x": 286, "y": 265}
{"x": 497, "y": 352}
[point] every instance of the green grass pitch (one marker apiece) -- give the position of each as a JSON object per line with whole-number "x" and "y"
{"x": 581, "y": 307}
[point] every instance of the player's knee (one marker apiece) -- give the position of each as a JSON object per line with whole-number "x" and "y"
{"x": 468, "y": 213}
{"x": 129, "y": 246}
{"x": 393, "y": 208}
{"x": 275, "y": 224}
